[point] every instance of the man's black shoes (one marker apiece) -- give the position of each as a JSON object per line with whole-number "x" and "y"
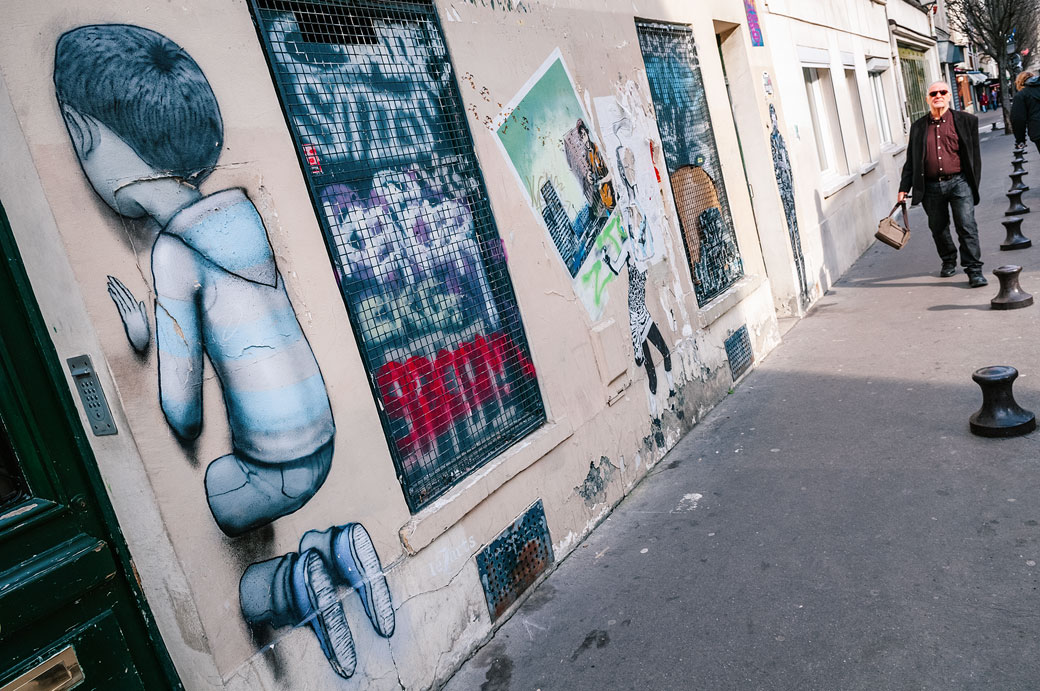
{"x": 948, "y": 270}
{"x": 977, "y": 280}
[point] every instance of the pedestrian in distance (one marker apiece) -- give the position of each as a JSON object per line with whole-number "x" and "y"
{"x": 943, "y": 167}
{"x": 1025, "y": 111}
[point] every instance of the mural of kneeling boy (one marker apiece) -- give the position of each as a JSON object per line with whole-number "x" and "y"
{"x": 147, "y": 131}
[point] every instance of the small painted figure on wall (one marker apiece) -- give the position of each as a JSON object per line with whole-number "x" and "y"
{"x": 785, "y": 185}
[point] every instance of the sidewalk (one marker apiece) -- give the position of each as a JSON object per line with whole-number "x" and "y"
{"x": 832, "y": 524}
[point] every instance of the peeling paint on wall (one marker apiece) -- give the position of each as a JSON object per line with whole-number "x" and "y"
{"x": 594, "y": 488}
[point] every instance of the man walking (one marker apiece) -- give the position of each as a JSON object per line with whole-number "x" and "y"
{"x": 943, "y": 167}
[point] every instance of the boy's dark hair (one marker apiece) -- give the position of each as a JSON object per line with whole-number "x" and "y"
{"x": 146, "y": 89}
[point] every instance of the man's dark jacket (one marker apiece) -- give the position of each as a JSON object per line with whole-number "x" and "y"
{"x": 1025, "y": 111}
{"x": 967, "y": 126}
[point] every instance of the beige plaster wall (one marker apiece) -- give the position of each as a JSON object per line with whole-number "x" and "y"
{"x": 837, "y": 214}
{"x": 595, "y": 396}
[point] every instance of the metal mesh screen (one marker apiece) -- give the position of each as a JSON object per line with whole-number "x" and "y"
{"x": 691, "y": 156}
{"x": 514, "y": 560}
{"x": 738, "y": 352}
{"x": 375, "y": 112}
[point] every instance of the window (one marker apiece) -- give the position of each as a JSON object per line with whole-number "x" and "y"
{"x": 824, "y": 113}
{"x": 858, "y": 117}
{"x": 877, "y": 89}
{"x": 911, "y": 63}
{"x": 374, "y": 110}
{"x": 691, "y": 156}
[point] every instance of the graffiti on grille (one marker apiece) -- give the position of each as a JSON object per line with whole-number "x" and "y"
{"x": 339, "y": 95}
{"x": 409, "y": 261}
{"x": 374, "y": 109}
{"x": 692, "y": 159}
{"x": 435, "y": 402}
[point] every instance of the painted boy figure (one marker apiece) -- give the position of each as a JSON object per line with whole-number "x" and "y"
{"x": 147, "y": 131}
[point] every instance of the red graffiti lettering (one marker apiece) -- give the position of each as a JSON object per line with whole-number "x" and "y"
{"x": 428, "y": 398}
{"x": 310, "y": 152}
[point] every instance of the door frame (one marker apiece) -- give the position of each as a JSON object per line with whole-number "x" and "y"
{"x": 56, "y": 451}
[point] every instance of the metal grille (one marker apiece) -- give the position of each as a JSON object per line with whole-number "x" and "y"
{"x": 376, "y": 115}
{"x": 911, "y": 64}
{"x": 691, "y": 156}
{"x": 510, "y": 564}
{"x": 738, "y": 352}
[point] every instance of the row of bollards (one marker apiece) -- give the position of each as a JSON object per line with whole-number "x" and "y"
{"x": 1000, "y": 415}
{"x": 1011, "y": 295}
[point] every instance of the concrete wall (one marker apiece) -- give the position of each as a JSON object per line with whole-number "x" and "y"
{"x": 601, "y": 435}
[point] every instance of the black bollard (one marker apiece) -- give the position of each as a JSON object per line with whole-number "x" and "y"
{"x": 1019, "y": 156}
{"x": 1011, "y": 295}
{"x": 1018, "y": 166}
{"x": 1000, "y": 415}
{"x": 1016, "y": 182}
{"x": 1015, "y": 240}
{"x": 1016, "y": 205}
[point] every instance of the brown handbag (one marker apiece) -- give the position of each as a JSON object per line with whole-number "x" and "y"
{"x": 891, "y": 233}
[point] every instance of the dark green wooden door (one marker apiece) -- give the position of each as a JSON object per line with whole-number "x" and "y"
{"x": 67, "y": 606}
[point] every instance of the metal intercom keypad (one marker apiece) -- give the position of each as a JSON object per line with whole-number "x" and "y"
{"x": 92, "y": 396}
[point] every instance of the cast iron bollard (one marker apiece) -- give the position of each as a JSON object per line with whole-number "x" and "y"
{"x": 1019, "y": 156}
{"x": 1018, "y": 166}
{"x": 1000, "y": 415}
{"x": 1016, "y": 207}
{"x": 1016, "y": 182}
{"x": 1011, "y": 295}
{"x": 1015, "y": 239}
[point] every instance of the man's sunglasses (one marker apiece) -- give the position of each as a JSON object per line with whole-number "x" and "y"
{"x": 933, "y": 94}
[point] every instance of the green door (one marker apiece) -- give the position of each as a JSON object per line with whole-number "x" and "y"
{"x": 70, "y": 617}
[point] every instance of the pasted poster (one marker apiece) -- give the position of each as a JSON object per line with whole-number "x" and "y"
{"x": 640, "y": 213}
{"x": 563, "y": 170}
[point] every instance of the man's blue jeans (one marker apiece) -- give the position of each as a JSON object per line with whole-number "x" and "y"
{"x": 939, "y": 199}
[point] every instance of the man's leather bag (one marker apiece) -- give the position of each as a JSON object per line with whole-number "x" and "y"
{"x": 891, "y": 233}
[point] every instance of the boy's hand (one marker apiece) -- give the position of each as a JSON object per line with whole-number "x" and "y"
{"x": 133, "y": 314}
{"x": 901, "y": 198}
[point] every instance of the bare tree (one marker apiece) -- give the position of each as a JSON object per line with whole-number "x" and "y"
{"x": 1000, "y": 28}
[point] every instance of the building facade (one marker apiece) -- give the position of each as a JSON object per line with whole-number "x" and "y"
{"x": 336, "y": 324}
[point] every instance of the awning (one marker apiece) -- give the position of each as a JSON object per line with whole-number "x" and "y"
{"x": 976, "y": 76}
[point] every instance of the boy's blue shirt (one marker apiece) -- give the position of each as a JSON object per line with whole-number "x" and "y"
{"x": 226, "y": 229}
{"x": 218, "y": 290}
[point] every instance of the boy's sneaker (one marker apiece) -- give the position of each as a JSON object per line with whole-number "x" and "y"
{"x": 350, "y": 554}
{"x": 316, "y": 604}
{"x": 948, "y": 270}
{"x": 977, "y": 280}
